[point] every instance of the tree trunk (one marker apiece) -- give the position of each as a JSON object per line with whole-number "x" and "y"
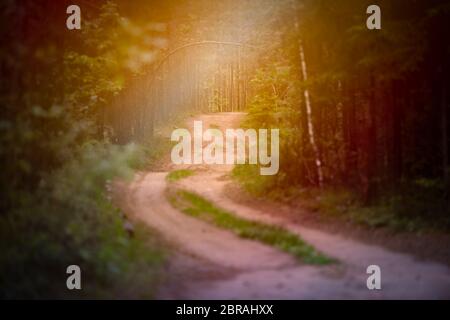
{"x": 397, "y": 136}
{"x": 372, "y": 146}
{"x": 349, "y": 136}
{"x": 311, "y": 133}
{"x": 444, "y": 130}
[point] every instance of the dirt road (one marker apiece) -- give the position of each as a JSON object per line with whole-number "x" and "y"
{"x": 211, "y": 263}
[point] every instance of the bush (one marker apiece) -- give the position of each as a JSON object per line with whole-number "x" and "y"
{"x": 69, "y": 220}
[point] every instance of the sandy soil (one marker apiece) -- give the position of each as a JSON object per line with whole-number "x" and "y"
{"x": 210, "y": 263}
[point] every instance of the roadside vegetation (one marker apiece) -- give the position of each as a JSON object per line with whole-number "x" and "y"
{"x": 59, "y": 155}
{"x": 69, "y": 219}
{"x": 417, "y": 209}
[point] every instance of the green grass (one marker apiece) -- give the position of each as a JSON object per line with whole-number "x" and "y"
{"x": 179, "y": 174}
{"x": 196, "y": 206}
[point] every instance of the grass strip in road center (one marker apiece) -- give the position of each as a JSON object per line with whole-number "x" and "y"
{"x": 196, "y": 206}
{"x": 179, "y": 174}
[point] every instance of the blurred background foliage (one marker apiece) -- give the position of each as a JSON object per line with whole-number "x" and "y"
{"x": 56, "y": 163}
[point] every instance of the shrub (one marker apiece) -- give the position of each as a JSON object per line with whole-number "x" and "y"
{"x": 69, "y": 220}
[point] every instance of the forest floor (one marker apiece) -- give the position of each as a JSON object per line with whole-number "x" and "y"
{"x": 212, "y": 263}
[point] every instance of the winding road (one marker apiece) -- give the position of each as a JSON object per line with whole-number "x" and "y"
{"x": 211, "y": 263}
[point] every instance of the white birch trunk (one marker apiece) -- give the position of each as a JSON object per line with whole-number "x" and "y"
{"x": 311, "y": 134}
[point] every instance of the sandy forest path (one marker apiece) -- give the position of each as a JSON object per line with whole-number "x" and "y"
{"x": 212, "y": 263}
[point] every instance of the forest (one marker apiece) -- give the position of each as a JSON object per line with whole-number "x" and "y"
{"x": 363, "y": 118}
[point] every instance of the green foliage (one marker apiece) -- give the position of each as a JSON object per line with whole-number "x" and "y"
{"x": 55, "y": 211}
{"x": 276, "y": 95}
{"x": 415, "y": 207}
{"x": 412, "y": 209}
{"x": 70, "y": 220}
{"x": 249, "y": 176}
{"x": 276, "y": 105}
{"x": 196, "y": 206}
{"x": 179, "y": 174}
{"x": 113, "y": 50}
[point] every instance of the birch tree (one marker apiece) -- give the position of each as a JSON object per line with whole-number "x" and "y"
{"x": 311, "y": 131}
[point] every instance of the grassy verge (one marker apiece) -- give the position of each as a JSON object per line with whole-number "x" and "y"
{"x": 408, "y": 212}
{"x": 196, "y": 206}
{"x": 179, "y": 174}
{"x": 415, "y": 208}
